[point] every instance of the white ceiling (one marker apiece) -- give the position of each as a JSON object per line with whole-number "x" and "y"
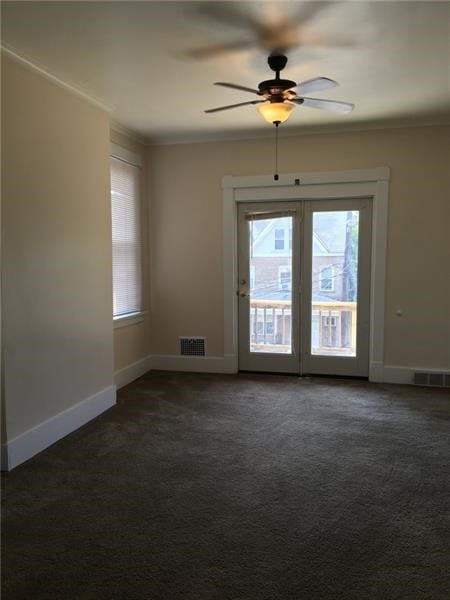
{"x": 391, "y": 60}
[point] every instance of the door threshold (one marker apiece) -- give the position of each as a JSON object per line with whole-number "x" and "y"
{"x": 328, "y": 376}
{"x": 305, "y": 376}
{"x": 246, "y": 371}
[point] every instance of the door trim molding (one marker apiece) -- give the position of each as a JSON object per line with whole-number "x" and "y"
{"x": 359, "y": 183}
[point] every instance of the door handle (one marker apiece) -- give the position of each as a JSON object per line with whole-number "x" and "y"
{"x": 244, "y": 294}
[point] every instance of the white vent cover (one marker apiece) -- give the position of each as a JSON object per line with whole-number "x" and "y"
{"x": 431, "y": 378}
{"x": 192, "y": 346}
{"x": 420, "y": 378}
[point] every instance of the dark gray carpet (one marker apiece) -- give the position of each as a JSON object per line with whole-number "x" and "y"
{"x": 239, "y": 487}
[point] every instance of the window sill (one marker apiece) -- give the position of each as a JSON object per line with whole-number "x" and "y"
{"x": 126, "y": 320}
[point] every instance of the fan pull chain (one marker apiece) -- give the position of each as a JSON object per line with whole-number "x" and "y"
{"x": 276, "y": 123}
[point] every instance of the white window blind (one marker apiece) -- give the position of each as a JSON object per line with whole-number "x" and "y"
{"x": 126, "y": 238}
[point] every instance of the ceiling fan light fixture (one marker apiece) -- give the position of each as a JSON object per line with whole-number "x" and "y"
{"x": 276, "y": 112}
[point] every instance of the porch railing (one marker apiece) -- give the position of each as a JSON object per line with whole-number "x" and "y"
{"x": 333, "y": 327}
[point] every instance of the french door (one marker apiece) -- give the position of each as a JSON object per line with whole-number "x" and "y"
{"x": 269, "y": 269}
{"x": 304, "y": 286}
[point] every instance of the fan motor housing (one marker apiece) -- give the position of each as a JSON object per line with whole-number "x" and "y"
{"x": 277, "y": 62}
{"x": 277, "y": 85}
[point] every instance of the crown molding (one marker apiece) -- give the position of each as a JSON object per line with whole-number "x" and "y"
{"x": 12, "y": 53}
{"x": 247, "y": 135}
{"x": 130, "y": 133}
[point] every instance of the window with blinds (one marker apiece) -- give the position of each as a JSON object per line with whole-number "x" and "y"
{"x": 126, "y": 238}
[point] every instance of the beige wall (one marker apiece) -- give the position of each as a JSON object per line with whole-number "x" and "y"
{"x": 131, "y": 342}
{"x": 57, "y": 299}
{"x": 186, "y": 231}
{"x": 58, "y": 338}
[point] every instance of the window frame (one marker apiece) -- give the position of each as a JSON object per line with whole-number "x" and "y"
{"x": 331, "y": 278}
{"x": 134, "y": 159}
{"x": 279, "y": 238}
{"x": 284, "y": 269}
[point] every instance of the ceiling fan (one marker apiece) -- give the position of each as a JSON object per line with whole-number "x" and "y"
{"x": 280, "y": 96}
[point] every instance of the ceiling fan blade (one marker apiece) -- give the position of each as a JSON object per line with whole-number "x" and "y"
{"x": 279, "y": 35}
{"x": 229, "y": 12}
{"x": 331, "y": 41}
{"x": 213, "y": 110}
{"x": 235, "y": 86}
{"x": 331, "y": 105}
{"x": 212, "y": 51}
{"x": 308, "y": 11}
{"x": 314, "y": 85}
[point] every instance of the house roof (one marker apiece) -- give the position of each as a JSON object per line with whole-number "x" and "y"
{"x": 330, "y": 229}
{"x": 329, "y": 232}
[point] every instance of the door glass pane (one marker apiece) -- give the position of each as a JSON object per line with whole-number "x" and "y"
{"x": 270, "y": 304}
{"x": 334, "y": 283}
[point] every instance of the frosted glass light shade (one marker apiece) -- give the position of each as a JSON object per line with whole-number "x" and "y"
{"x": 274, "y": 112}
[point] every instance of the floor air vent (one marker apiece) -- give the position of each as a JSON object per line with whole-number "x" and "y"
{"x": 431, "y": 378}
{"x": 192, "y": 346}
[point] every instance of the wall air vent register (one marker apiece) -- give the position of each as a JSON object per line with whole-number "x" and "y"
{"x": 431, "y": 379}
{"x": 192, "y": 346}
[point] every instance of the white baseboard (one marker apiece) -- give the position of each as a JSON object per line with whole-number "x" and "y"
{"x": 376, "y": 372}
{"x": 47, "y": 433}
{"x": 379, "y": 373}
{"x": 393, "y": 374}
{"x": 195, "y": 364}
{"x": 131, "y": 372}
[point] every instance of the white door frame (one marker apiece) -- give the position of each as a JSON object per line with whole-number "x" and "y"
{"x": 361, "y": 183}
